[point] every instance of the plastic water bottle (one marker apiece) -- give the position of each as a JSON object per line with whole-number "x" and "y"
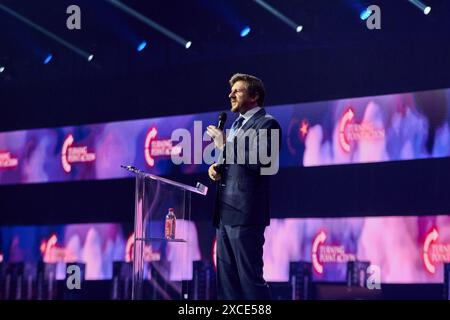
{"x": 171, "y": 221}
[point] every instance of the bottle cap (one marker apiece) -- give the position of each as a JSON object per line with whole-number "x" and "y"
{"x": 171, "y": 209}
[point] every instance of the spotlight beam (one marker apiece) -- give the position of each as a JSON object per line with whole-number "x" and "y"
{"x": 279, "y": 15}
{"x": 45, "y": 32}
{"x": 2, "y": 68}
{"x": 419, "y": 4}
{"x": 150, "y": 23}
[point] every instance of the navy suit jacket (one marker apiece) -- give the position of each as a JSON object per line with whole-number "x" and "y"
{"x": 243, "y": 193}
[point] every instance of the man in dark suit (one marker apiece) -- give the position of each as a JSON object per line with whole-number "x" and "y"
{"x": 242, "y": 205}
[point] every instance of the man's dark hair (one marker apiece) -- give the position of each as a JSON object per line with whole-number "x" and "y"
{"x": 255, "y": 86}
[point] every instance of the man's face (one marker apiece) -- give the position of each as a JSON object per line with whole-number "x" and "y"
{"x": 239, "y": 98}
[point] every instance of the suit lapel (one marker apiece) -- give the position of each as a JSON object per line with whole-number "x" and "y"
{"x": 252, "y": 120}
{"x": 245, "y": 127}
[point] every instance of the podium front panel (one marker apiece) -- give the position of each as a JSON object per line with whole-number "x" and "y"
{"x": 161, "y": 258}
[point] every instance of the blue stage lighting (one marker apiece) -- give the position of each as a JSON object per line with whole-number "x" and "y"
{"x": 420, "y": 5}
{"x": 48, "y": 58}
{"x": 245, "y": 31}
{"x": 365, "y": 14}
{"x": 141, "y": 46}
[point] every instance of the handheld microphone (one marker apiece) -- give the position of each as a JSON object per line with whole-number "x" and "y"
{"x": 222, "y": 120}
{"x": 220, "y": 126}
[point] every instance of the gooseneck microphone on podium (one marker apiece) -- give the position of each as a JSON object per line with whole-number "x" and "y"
{"x": 220, "y": 126}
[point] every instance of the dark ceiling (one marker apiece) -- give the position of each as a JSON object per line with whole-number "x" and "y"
{"x": 327, "y": 59}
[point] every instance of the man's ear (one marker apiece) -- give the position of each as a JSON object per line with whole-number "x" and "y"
{"x": 255, "y": 98}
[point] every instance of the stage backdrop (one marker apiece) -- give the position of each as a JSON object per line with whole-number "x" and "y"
{"x": 406, "y": 249}
{"x": 358, "y": 130}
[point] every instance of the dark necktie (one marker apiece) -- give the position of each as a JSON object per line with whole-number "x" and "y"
{"x": 237, "y": 123}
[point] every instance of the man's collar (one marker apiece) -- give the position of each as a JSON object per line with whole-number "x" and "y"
{"x": 250, "y": 113}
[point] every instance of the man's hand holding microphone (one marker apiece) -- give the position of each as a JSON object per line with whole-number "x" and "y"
{"x": 217, "y": 134}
